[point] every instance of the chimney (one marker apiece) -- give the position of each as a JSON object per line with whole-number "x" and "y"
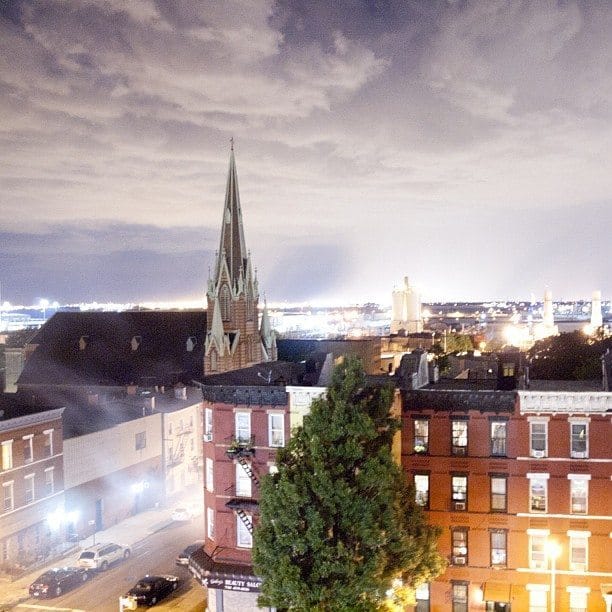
{"x": 180, "y": 392}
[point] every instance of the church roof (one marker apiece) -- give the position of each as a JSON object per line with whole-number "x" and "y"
{"x": 117, "y": 348}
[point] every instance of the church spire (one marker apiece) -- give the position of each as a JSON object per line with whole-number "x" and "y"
{"x": 232, "y": 246}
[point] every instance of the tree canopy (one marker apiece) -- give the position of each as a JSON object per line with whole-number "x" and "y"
{"x": 338, "y": 521}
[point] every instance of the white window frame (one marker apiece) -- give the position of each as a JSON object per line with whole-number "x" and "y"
{"x": 243, "y": 482}
{"x": 533, "y": 423}
{"x": 496, "y": 495}
{"x": 538, "y": 597}
{"x": 49, "y": 438}
{"x": 538, "y": 557}
{"x": 10, "y": 487}
{"x": 579, "y": 454}
{"x": 210, "y": 474}
{"x": 496, "y": 557}
{"x": 276, "y": 434}
{"x": 49, "y": 481}
{"x": 242, "y": 431}
{"x": 576, "y": 481}
{"x": 210, "y": 523}
{"x": 499, "y": 440}
{"x": 28, "y": 443}
{"x": 541, "y": 478}
{"x": 421, "y": 435}
{"x": 28, "y": 485}
{"x": 578, "y": 598}
{"x": 208, "y": 423}
{"x": 578, "y": 541}
{"x": 244, "y": 538}
{"x": 7, "y": 455}
{"x": 459, "y": 437}
{"x": 421, "y": 489}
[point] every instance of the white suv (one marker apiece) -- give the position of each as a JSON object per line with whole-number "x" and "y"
{"x": 100, "y": 556}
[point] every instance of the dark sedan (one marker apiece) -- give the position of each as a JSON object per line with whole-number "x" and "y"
{"x": 148, "y": 591}
{"x": 56, "y": 581}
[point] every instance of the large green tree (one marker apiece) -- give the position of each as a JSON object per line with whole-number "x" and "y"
{"x": 338, "y": 524}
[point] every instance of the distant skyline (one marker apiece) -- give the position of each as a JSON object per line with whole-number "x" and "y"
{"x": 462, "y": 144}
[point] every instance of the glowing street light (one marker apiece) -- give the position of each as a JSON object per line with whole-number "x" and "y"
{"x": 553, "y": 550}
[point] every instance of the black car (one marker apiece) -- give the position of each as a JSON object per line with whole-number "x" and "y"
{"x": 56, "y": 581}
{"x": 183, "y": 557}
{"x": 149, "y": 590}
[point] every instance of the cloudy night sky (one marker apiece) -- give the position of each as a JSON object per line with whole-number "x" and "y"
{"x": 463, "y": 144}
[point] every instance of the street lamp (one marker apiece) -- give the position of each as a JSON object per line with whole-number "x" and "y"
{"x": 553, "y": 550}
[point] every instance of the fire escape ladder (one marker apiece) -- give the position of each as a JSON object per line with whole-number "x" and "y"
{"x": 245, "y": 519}
{"x": 246, "y": 466}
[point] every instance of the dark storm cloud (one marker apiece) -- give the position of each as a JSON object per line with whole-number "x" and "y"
{"x": 366, "y": 132}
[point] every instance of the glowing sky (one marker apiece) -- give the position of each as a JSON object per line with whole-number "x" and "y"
{"x": 463, "y": 144}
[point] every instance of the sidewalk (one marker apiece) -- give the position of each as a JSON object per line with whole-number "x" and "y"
{"x": 130, "y": 531}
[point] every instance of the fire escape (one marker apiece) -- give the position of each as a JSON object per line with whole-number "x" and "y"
{"x": 241, "y": 451}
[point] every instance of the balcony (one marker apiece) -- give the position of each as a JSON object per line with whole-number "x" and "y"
{"x": 241, "y": 447}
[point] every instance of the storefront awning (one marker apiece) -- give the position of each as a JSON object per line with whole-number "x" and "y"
{"x": 497, "y": 591}
{"x": 227, "y": 576}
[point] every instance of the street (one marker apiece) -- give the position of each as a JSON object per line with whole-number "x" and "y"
{"x": 154, "y": 555}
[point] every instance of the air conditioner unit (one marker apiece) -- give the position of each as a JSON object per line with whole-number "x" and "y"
{"x": 537, "y": 453}
{"x": 207, "y": 437}
{"x": 459, "y": 560}
{"x": 581, "y": 455}
{"x": 459, "y": 451}
{"x": 458, "y": 505}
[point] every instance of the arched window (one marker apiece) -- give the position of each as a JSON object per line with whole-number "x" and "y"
{"x": 224, "y": 297}
{"x": 249, "y": 306}
{"x": 214, "y": 366}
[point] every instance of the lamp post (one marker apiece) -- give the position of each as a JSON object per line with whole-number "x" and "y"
{"x": 554, "y": 550}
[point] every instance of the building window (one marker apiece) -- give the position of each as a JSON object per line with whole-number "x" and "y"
{"x": 28, "y": 450}
{"x": 498, "y": 438}
{"x": 8, "y": 496}
{"x": 48, "y": 447}
{"x": 538, "y": 492}
{"x": 579, "y": 439}
{"x": 421, "y": 486}
{"x": 49, "y": 484}
{"x": 499, "y": 493}
{"x": 537, "y": 548}
{"x": 210, "y": 483}
{"x": 210, "y": 523}
{"x": 208, "y": 424}
{"x": 243, "y": 426}
{"x": 7, "y": 455}
{"x": 499, "y": 553}
{"x": 141, "y": 440}
{"x": 249, "y": 306}
{"x": 579, "y": 550}
{"x": 578, "y": 599}
{"x": 459, "y": 545}
{"x": 421, "y": 436}
{"x": 244, "y": 537}
{"x": 538, "y": 600}
{"x": 459, "y": 492}
{"x": 421, "y": 594}
{"x": 28, "y": 482}
{"x": 579, "y": 493}
{"x": 224, "y": 298}
{"x": 243, "y": 481}
{"x": 508, "y": 370}
{"x": 460, "y": 437}
{"x": 214, "y": 364}
{"x": 191, "y": 343}
{"x": 276, "y": 429}
{"x": 460, "y": 596}
{"x": 538, "y": 438}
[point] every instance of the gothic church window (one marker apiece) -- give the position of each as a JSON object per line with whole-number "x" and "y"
{"x": 224, "y": 298}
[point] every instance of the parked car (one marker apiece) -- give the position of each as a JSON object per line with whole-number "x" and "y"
{"x": 100, "y": 556}
{"x": 182, "y": 514}
{"x": 56, "y": 581}
{"x": 148, "y": 591}
{"x": 183, "y": 557}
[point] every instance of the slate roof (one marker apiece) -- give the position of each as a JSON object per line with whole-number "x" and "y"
{"x": 459, "y": 401}
{"x": 117, "y": 348}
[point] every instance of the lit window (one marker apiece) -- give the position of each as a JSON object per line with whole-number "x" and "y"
{"x": 48, "y": 447}
{"x": 243, "y": 426}
{"x": 421, "y": 594}
{"x": 499, "y": 552}
{"x": 459, "y": 545}
{"x": 244, "y": 537}
{"x": 243, "y": 481}
{"x": 538, "y": 492}
{"x": 498, "y": 438}
{"x": 28, "y": 451}
{"x": 579, "y": 550}
{"x": 578, "y": 599}
{"x": 276, "y": 429}
{"x": 460, "y": 437}
{"x": 579, "y": 439}
{"x": 49, "y": 484}
{"x": 28, "y": 488}
{"x": 8, "y": 496}
{"x": 579, "y": 493}
{"x": 209, "y": 475}
{"x": 499, "y": 495}
{"x": 537, "y": 548}
{"x": 421, "y": 485}
{"x": 538, "y": 600}
{"x": 459, "y": 492}
{"x": 208, "y": 423}
{"x": 460, "y": 597}
{"x": 7, "y": 455}
{"x": 421, "y": 435}
{"x": 538, "y": 438}
{"x": 141, "y": 440}
{"x": 210, "y": 523}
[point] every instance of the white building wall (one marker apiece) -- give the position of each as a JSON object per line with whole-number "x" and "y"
{"x": 300, "y": 399}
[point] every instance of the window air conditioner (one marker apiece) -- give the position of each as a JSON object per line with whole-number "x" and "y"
{"x": 581, "y": 455}
{"x": 537, "y": 453}
{"x": 207, "y": 437}
{"x": 458, "y": 505}
{"x": 459, "y": 560}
